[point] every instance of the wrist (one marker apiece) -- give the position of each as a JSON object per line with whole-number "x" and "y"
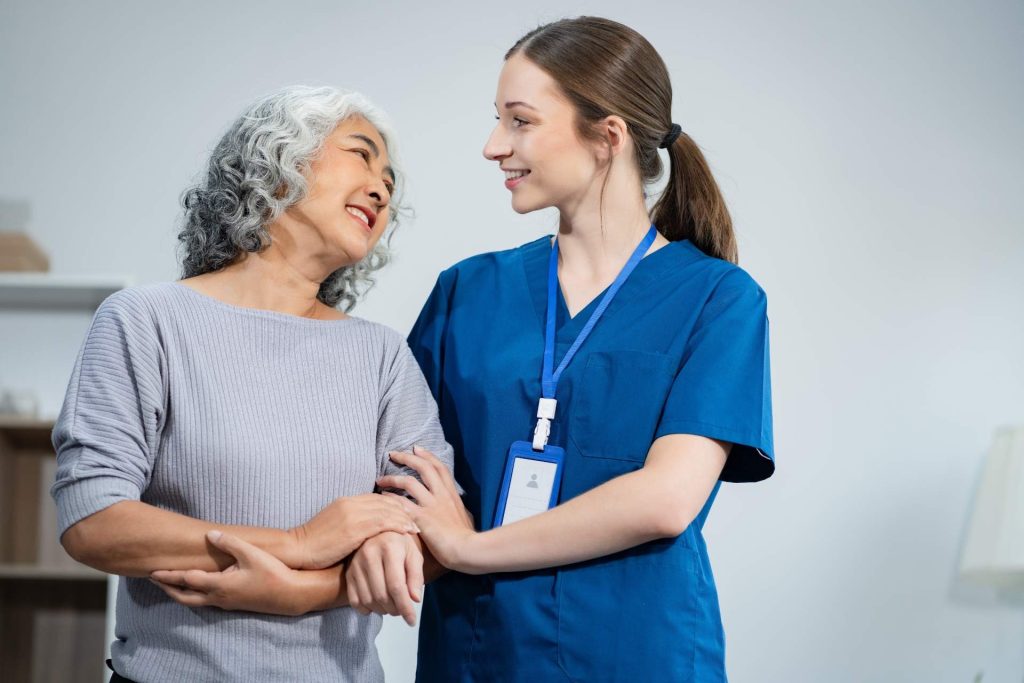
{"x": 291, "y": 548}
{"x": 316, "y": 589}
{"x": 304, "y": 594}
{"x": 469, "y": 553}
{"x": 299, "y": 598}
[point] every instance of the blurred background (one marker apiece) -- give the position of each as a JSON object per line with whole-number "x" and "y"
{"x": 872, "y": 155}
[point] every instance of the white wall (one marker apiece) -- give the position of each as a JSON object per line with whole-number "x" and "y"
{"x": 871, "y": 154}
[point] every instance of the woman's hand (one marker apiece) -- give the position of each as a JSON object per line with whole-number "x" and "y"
{"x": 257, "y": 582}
{"x": 444, "y": 522}
{"x": 385, "y": 576}
{"x": 341, "y": 527}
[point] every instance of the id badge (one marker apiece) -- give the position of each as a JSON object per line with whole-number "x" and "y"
{"x": 531, "y": 483}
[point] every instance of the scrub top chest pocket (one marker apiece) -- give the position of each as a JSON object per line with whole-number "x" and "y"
{"x": 618, "y": 402}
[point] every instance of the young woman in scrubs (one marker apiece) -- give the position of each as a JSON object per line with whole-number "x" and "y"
{"x": 666, "y": 398}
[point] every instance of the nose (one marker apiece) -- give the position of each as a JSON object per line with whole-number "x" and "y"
{"x": 377, "y": 190}
{"x": 497, "y": 146}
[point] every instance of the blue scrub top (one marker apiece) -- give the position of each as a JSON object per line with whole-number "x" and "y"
{"x": 682, "y": 349}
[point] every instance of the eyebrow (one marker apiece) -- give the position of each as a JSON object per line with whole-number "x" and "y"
{"x": 516, "y": 103}
{"x": 375, "y": 150}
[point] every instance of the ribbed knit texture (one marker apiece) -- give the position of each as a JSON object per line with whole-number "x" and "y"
{"x": 235, "y": 416}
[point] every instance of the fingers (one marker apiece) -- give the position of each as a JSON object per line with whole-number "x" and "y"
{"x": 396, "y": 519}
{"x": 409, "y": 506}
{"x": 175, "y": 577}
{"x": 184, "y": 596}
{"x": 376, "y": 581}
{"x": 190, "y": 579}
{"x": 423, "y": 467}
{"x": 433, "y": 472}
{"x": 344, "y": 525}
{"x": 443, "y": 473}
{"x": 408, "y": 484}
{"x": 359, "y": 592}
{"x": 387, "y": 511}
{"x": 351, "y": 590}
{"x": 378, "y": 577}
{"x": 414, "y": 575}
{"x": 242, "y": 551}
{"x": 397, "y": 589}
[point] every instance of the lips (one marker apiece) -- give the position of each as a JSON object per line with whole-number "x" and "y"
{"x": 514, "y": 177}
{"x": 362, "y": 214}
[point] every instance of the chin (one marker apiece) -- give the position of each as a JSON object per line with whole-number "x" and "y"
{"x": 352, "y": 253}
{"x": 524, "y": 205}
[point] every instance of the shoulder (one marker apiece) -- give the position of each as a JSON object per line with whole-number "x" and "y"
{"x": 387, "y": 353}
{"x": 720, "y": 279}
{"x": 376, "y": 340}
{"x": 141, "y": 305}
{"x": 376, "y": 334}
{"x": 710, "y": 287}
{"x": 490, "y": 265}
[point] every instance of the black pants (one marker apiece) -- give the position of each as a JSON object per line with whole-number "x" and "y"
{"x": 115, "y": 677}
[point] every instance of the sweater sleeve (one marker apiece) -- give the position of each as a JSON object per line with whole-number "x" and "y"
{"x": 408, "y": 415}
{"x": 108, "y": 430}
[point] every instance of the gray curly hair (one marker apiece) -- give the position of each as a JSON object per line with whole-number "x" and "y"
{"x": 259, "y": 169}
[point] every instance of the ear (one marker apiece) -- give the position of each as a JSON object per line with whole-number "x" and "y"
{"x": 616, "y": 137}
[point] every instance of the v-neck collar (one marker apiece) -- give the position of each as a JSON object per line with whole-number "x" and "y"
{"x": 535, "y": 257}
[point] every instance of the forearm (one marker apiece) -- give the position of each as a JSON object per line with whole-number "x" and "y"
{"x": 612, "y": 517}
{"x": 132, "y": 538}
{"x": 320, "y": 589}
{"x": 658, "y": 501}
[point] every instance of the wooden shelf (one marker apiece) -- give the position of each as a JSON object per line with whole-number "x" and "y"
{"x": 44, "y": 291}
{"x": 35, "y": 572}
{"x": 26, "y": 434}
{"x": 53, "y": 610}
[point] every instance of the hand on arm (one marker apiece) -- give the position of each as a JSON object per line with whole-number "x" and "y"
{"x": 388, "y": 573}
{"x": 132, "y": 538}
{"x": 451, "y": 523}
{"x": 384, "y": 576}
{"x": 658, "y": 501}
{"x": 256, "y": 582}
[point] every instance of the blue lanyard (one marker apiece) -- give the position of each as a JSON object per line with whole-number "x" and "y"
{"x": 550, "y": 377}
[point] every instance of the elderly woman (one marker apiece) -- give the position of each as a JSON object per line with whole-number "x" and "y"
{"x": 234, "y": 423}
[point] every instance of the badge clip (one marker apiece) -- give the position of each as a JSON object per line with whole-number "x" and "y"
{"x": 545, "y": 414}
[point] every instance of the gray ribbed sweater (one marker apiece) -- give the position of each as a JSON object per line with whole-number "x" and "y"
{"x": 236, "y": 416}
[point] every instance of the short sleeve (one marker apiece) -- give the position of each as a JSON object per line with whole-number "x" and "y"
{"x": 426, "y": 340}
{"x": 723, "y": 387}
{"x": 408, "y": 415}
{"x": 107, "y": 433}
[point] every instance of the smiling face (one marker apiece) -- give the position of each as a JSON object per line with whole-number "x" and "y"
{"x": 347, "y": 207}
{"x": 535, "y": 141}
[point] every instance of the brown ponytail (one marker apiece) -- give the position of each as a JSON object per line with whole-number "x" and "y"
{"x": 692, "y": 206}
{"x": 606, "y": 68}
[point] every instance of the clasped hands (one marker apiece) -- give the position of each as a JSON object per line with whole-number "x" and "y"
{"x": 376, "y": 538}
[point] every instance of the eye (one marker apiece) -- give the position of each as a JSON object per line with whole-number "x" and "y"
{"x": 390, "y": 187}
{"x": 365, "y": 154}
{"x": 516, "y": 121}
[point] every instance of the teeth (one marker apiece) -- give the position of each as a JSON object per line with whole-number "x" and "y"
{"x": 512, "y": 175}
{"x": 358, "y": 214}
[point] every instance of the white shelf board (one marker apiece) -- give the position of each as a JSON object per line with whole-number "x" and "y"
{"x": 35, "y": 291}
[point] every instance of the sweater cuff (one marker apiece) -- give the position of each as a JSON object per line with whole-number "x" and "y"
{"x": 78, "y": 499}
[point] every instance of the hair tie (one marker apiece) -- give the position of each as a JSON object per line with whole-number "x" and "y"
{"x": 671, "y": 136}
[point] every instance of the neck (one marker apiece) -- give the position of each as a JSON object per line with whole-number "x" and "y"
{"x": 594, "y": 244}
{"x": 279, "y": 278}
